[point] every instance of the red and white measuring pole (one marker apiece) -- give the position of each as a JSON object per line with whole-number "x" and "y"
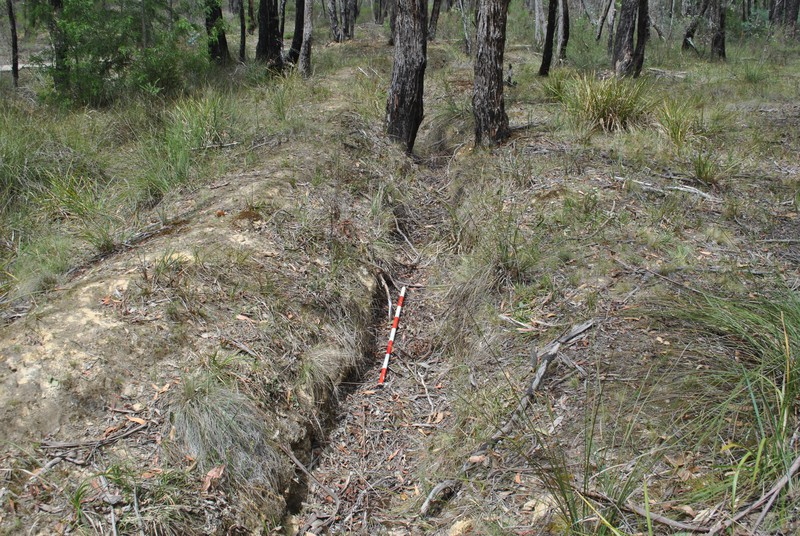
{"x": 392, "y": 333}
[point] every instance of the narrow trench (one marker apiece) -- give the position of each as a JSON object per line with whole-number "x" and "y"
{"x": 309, "y": 449}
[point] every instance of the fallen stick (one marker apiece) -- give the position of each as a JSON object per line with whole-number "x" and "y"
{"x": 769, "y": 498}
{"x": 638, "y": 510}
{"x": 93, "y": 443}
{"x": 544, "y": 357}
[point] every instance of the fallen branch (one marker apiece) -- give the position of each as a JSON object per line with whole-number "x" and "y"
{"x": 543, "y": 358}
{"x": 648, "y": 187}
{"x": 93, "y": 443}
{"x": 638, "y": 510}
{"x": 215, "y": 146}
{"x": 768, "y": 498}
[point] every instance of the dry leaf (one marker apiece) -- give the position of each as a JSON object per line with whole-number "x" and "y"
{"x": 137, "y": 420}
{"x": 686, "y": 509}
{"x": 212, "y": 476}
{"x": 392, "y": 455}
{"x": 478, "y": 458}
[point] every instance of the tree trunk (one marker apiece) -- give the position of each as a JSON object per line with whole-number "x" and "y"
{"x": 602, "y": 20}
{"x": 353, "y": 11}
{"x": 718, "y": 40}
{"x": 282, "y": 19}
{"x": 623, "y": 60}
{"x": 688, "y": 35}
{"x": 242, "y": 33}
{"x": 60, "y": 66}
{"x": 14, "y": 45}
{"x": 612, "y": 16}
{"x": 539, "y": 28}
{"x": 404, "y": 109}
{"x": 251, "y": 13}
{"x": 547, "y": 53}
{"x": 299, "y": 31}
{"x": 304, "y": 61}
{"x": 333, "y": 16}
{"x": 642, "y": 36}
{"x": 467, "y": 40}
{"x": 268, "y": 47}
{"x": 564, "y": 27}
{"x": 437, "y": 6}
{"x": 792, "y": 11}
{"x": 488, "y": 103}
{"x": 215, "y": 28}
{"x": 392, "y": 20}
{"x": 377, "y": 11}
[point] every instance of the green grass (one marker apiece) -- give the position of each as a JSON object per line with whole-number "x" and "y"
{"x": 606, "y": 105}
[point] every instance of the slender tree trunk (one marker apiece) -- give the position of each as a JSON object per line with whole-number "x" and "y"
{"x": 304, "y": 61}
{"x": 215, "y": 28}
{"x": 467, "y": 39}
{"x": 539, "y": 28}
{"x": 60, "y": 66}
{"x": 251, "y": 13}
{"x": 642, "y": 36}
{"x": 688, "y": 35}
{"x": 352, "y": 15}
{"x": 792, "y": 11}
{"x": 623, "y": 60}
{"x": 437, "y": 6}
{"x": 377, "y": 11}
{"x": 718, "y": 40}
{"x": 392, "y": 20}
{"x": 404, "y": 107}
{"x": 564, "y": 27}
{"x": 612, "y": 15}
{"x": 268, "y": 47}
{"x": 299, "y": 31}
{"x": 242, "y": 33}
{"x": 12, "y": 21}
{"x": 547, "y": 53}
{"x": 283, "y": 19}
{"x": 333, "y": 16}
{"x": 602, "y": 20}
{"x": 488, "y": 103}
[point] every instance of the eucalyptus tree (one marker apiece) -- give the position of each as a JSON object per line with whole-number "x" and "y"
{"x": 488, "y": 101}
{"x": 268, "y": 47}
{"x": 12, "y": 21}
{"x": 215, "y": 28}
{"x": 634, "y": 19}
{"x": 404, "y": 106}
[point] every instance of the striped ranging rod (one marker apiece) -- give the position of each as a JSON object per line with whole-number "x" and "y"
{"x": 392, "y": 333}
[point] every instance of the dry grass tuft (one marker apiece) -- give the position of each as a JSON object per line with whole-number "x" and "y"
{"x": 216, "y": 425}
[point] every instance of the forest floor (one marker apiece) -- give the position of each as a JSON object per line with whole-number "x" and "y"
{"x": 216, "y": 372}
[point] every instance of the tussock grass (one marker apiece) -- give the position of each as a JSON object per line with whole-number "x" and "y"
{"x": 215, "y": 424}
{"x": 746, "y": 413}
{"x": 609, "y": 104}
